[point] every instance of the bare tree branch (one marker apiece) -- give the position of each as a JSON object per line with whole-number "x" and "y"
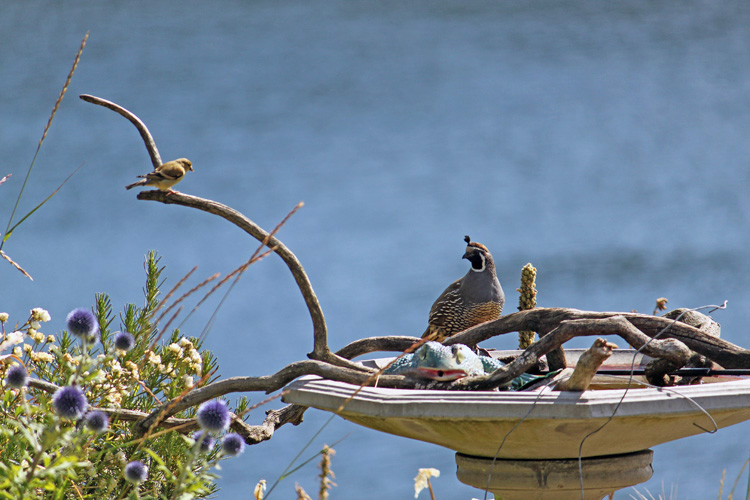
{"x": 321, "y": 351}
{"x": 566, "y": 330}
{"x": 254, "y": 434}
{"x": 121, "y": 413}
{"x": 43, "y": 385}
{"x": 268, "y": 383}
{"x": 375, "y": 344}
{"x": 586, "y": 367}
{"x": 142, "y": 129}
{"x": 544, "y": 320}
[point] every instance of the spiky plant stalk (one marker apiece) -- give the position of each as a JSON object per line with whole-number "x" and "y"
{"x": 326, "y": 473}
{"x": 301, "y": 493}
{"x": 526, "y": 301}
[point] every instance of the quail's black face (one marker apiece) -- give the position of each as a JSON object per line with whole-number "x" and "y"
{"x": 476, "y": 257}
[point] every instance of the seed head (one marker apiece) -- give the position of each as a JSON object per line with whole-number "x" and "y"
{"x": 213, "y": 416}
{"x": 96, "y": 421}
{"x": 124, "y": 341}
{"x": 206, "y": 439}
{"x": 82, "y": 323}
{"x": 69, "y": 402}
{"x": 16, "y": 376}
{"x": 232, "y": 445}
{"x": 136, "y": 472}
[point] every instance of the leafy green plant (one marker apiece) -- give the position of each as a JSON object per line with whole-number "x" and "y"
{"x": 66, "y": 431}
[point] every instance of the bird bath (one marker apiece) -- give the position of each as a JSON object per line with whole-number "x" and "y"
{"x": 541, "y": 431}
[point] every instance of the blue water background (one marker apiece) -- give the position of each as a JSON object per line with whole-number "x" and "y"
{"x": 605, "y": 142}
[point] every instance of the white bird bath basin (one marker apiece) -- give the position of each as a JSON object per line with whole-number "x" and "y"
{"x": 540, "y": 430}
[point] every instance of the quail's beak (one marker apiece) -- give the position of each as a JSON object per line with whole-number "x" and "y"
{"x": 466, "y": 255}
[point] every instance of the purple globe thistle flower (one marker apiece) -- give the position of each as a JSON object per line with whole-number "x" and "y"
{"x": 136, "y": 472}
{"x": 213, "y": 416}
{"x": 207, "y": 441}
{"x": 69, "y": 402}
{"x": 96, "y": 421}
{"x": 16, "y": 376}
{"x": 232, "y": 444}
{"x": 82, "y": 323}
{"x": 124, "y": 341}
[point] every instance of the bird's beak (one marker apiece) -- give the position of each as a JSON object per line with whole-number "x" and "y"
{"x": 466, "y": 255}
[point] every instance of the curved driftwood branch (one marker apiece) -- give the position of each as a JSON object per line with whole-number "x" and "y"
{"x": 544, "y": 320}
{"x": 586, "y": 324}
{"x": 320, "y": 348}
{"x": 376, "y": 344}
{"x": 122, "y": 413}
{"x": 153, "y": 152}
{"x": 566, "y": 330}
{"x": 586, "y": 367}
{"x": 254, "y": 434}
{"x": 268, "y": 383}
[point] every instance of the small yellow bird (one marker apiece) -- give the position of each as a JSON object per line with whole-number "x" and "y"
{"x": 165, "y": 176}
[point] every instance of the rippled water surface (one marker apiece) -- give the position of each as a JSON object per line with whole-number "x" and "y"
{"x": 607, "y": 143}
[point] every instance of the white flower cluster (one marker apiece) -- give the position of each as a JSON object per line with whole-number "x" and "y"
{"x": 31, "y": 328}
{"x": 180, "y": 360}
{"x": 115, "y": 380}
{"x": 37, "y": 316}
{"x": 11, "y": 339}
{"x": 191, "y": 353}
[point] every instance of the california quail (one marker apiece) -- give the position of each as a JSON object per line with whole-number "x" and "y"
{"x": 473, "y": 299}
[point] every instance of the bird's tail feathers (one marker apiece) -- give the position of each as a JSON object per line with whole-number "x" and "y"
{"x": 139, "y": 183}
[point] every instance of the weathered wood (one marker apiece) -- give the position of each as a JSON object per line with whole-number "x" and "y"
{"x": 267, "y": 383}
{"x": 698, "y": 320}
{"x": 544, "y": 320}
{"x": 566, "y": 330}
{"x": 375, "y": 344}
{"x": 586, "y": 367}
{"x": 254, "y": 434}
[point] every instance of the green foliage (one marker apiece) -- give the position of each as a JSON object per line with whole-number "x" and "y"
{"x": 45, "y": 456}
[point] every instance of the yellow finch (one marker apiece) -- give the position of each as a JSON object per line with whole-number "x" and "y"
{"x": 165, "y": 176}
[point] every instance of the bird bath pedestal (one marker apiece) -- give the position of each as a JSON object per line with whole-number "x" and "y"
{"x": 555, "y": 479}
{"x": 536, "y": 437}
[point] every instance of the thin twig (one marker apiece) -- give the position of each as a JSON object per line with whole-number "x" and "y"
{"x": 169, "y": 294}
{"x": 253, "y": 258}
{"x": 16, "y": 265}
{"x": 221, "y": 283}
{"x": 321, "y": 351}
{"x": 44, "y": 134}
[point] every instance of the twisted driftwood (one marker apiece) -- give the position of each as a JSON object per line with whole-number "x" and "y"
{"x": 555, "y": 327}
{"x": 585, "y": 369}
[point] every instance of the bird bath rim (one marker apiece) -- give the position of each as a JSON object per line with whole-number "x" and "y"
{"x": 542, "y": 424}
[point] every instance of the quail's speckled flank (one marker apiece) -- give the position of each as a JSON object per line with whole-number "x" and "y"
{"x": 469, "y": 301}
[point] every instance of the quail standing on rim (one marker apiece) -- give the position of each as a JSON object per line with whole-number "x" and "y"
{"x": 468, "y": 301}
